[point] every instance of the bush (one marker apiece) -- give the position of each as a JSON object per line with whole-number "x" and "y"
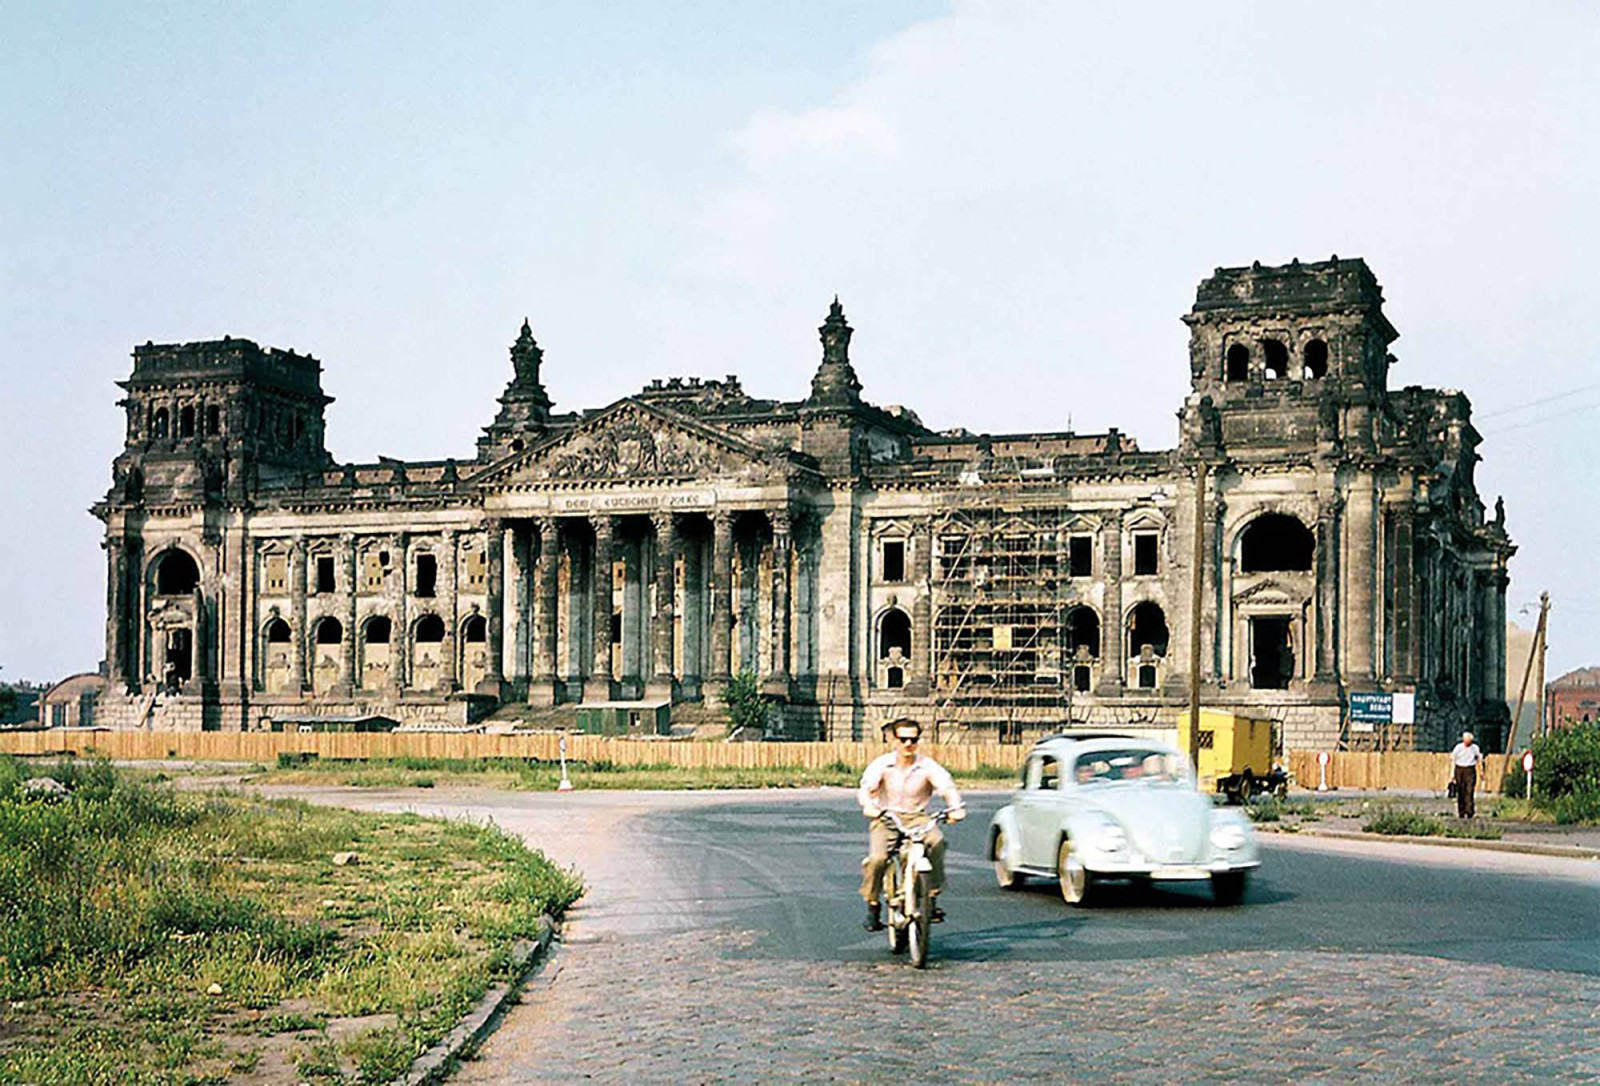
{"x": 1400, "y": 823}
{"x": 1567, "y": 761}
{"x": 747, "y": 706}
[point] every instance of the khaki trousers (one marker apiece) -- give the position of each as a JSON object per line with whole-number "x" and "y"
{"x": 878, "y": 857}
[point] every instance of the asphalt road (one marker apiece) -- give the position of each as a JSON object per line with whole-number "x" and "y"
{"x": 721, "y": 939}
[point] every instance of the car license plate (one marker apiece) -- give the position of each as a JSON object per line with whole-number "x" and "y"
{"x": 1180, "y": 872}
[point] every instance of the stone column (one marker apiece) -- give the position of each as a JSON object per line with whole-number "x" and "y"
{"x": 1113, "y": 634}
{"x": 1327, "y": 589}
{"x": 298, "y": 557}
{"x": 598, "y": 686}
{"x": 541, "y": 690}
{"x": 116, "y": 612}
{"x": 400, "y": 634}
{"x": 661, "y": 628}
{"x": 1403, "y": 562}
{"x": 519, "y": 598}
{"x": 450, "y": 607}
{"x": 721, "y": 597}
{"x": 353, "y": 573}
{"x": 921, "y": 608}
{"x": 493, "y": 682}
{"x": 778, "y": 674}
{"x": 1362, "y": 604}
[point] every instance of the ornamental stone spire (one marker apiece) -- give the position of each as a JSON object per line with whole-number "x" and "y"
{"x": 524, "y": 406}
{"x": 835, "y": 383}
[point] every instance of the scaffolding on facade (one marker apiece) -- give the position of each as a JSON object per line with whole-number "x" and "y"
{"x": 1003, "y": 649}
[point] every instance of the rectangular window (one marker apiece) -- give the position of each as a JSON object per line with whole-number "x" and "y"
{"x": 58, "y": 716}
{"x": 325, "y": 581}
{"x": 894, "y": 560}
{"x": 1081, "y": 556}
{"x": 372, "y": 571}
{"x": 276, "y": 574}
{"x": 477, "y": 569}
{"x": 1145, "y": 563}
{"x": 427, "y": 575}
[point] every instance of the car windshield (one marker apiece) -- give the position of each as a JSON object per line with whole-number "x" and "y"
{"x": 1129, "y": 764}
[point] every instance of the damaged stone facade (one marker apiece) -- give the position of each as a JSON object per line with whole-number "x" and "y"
{"x": 860, "y": 564}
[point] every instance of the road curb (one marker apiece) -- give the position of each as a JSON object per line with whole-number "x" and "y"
{"x": 435, "y": 1064}
{"x": 1578, "y": 852}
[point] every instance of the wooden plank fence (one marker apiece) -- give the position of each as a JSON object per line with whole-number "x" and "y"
{"x": 1390, "y": 769}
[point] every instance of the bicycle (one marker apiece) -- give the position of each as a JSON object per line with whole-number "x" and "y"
{"x": 908, "y": 901}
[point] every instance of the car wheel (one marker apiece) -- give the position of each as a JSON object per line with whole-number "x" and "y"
{"x": 1227, "y": 887}
{"x": 1007, "y": 878}
{"x": 1076, "y": 882}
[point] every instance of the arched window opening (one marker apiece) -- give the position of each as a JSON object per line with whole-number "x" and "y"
{"x": 1083, "y": 632}
{"x": 1238, "y": 362}
{"x": 330, "y": 632}
{"x": 1275, "y": 359}
{"x": 213, "y": 420}
{"x": 1276, "y": 542}
{"x": 1147, "y": 625}
{"x": 277, "y": 632}
{"x": 430, "y": 630}
{"x": 177, "y": 575}
{"x": 476, "y": 630}
{"x": 378, "y": 630}
{"x": 158, "y": 425}
{"x": 186, "y": 422}
{"x": 894, "y": 632}
{"x": 1315, "y": 357}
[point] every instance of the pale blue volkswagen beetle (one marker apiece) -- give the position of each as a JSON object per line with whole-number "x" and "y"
{"x": 1117, "y": 807}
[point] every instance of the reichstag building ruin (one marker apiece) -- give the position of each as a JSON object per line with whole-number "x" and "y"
{"x": 858, "y": 564}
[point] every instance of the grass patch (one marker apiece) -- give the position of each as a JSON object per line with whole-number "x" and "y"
{"x": 145, "y": 928}
{"x": 532, "y": 775}
{"x": 1397, "y": 822}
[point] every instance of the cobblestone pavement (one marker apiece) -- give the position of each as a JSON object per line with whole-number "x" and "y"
{"x": 719, "y": 943}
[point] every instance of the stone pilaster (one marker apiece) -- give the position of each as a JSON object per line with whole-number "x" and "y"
{"x": 1327, "y": 566}
{"x": 116, "y": 612}
{"x": 782, "y": 550}
{"x": 1362, "y": 604}
{"x": 400, "y": 632}
{"x": 1405, "y": 622}
{"x": 298, "y": 581}
{"x": 721, "y": 597}
{"x": 450, "y": 607}
{"x": 519, "y": 598}
{"x": 599, "y": 684}
{"x": 921, "y": 608}
{"x": 493, "y": 681}
{"x": 1113, "y": 634}
{"x": 352, "y": 564}
{"x": 541, "y": 688}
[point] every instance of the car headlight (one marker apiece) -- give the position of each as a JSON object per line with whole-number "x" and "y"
{"x": 1108, "y": 837}
{"x": 1228, "y": 836}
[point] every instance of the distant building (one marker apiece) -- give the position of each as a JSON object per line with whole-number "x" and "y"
{"x": 861, "y": 565}
{"x": 1572, "y": 698}
{"x": 71, "y": 702}
{"x": 26, "y": 711}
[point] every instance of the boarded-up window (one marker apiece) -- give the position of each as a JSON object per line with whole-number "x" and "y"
{"x": 372, "y": 570}
{"x": 276, "y": 575}
{"x": 1002, "y": 638}
{"x": 477, "y": 569}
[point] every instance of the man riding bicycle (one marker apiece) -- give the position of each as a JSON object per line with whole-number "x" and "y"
{"x": 902, "y": 781}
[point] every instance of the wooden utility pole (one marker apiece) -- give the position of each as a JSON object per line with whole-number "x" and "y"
{"x": 1196, "y": 598}
{"x": 1537, "y": 649}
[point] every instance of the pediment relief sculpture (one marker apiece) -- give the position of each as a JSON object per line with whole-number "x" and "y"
{"x": 1271, "y": 592}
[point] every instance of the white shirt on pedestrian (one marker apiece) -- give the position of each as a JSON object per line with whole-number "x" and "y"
{"x": 1466, "y": 754}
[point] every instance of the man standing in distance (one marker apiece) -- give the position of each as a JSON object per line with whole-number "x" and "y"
{"x": 902, "y": 781}
{"x": 1465, "y": 757}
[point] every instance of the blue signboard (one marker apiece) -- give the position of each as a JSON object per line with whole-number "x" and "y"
{"x": 1372, "y": 708}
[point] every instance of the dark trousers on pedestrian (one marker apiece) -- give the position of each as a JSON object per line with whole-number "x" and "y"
{"x": 1466, "y": 785}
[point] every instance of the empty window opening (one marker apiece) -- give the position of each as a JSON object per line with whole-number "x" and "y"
{"x": 1147, "y": 677}
{"x": 894, "y": 560}
{"x": 378, "y": 631}
{"x": 1083, "y": 631}
{"x": 1080, "y": 679}
{"x": 430, "y": 630}
{"x": 616, "y": 627}
{"x": 180, "y": 655}
{"x": 158, "y": 424}
{"x": 1080, "y": 556}
{"x": 1275, "y": 359}
{"x": 896, "y": 678}
{"x": 1272, "y": 653}
{"x": 1147, "y": 625}
{"x": 476, "y": 630}
{"x": 427, "y": 574}
{"x": 1315, "y": 357}
{"x": 213, "y": 421}
{"x": 1238, "y": 362}
{"x": 177, "y": 575}
{"x": 1146, "y": 561}
{"x": 1276, "y": 542}
{"x": 894, "y": 632}
{"x": 325, "y": 581}
{"x": 186, "y": 422}
{"x": 330, "y": 632}
{"x": 277, "y": 632}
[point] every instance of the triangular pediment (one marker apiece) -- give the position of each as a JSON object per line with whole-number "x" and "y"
{"x": 1270, "y": 593}
{"x": 631, "y": 441}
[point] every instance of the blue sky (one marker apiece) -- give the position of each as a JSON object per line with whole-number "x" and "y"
{"x": 1014, "y": 200}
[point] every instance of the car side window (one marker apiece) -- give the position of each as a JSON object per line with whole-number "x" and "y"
{"x": 1050, "y": 774}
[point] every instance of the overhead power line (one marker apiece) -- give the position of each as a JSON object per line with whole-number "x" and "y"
{"x": 1537, "y": 403}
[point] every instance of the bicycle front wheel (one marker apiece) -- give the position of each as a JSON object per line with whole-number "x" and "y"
{"x": 919, "y": 906}
{"x": 894, "y": 920}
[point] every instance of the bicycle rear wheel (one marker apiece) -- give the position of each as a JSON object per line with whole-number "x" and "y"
{"x": 919, "y": 906}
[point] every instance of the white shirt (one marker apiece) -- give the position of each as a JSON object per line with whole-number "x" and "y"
{"x": 1466, "y": 755}
{"x": 888, "y": 787}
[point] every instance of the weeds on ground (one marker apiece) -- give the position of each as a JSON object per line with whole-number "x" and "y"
{"x": 1398, "y": 822}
